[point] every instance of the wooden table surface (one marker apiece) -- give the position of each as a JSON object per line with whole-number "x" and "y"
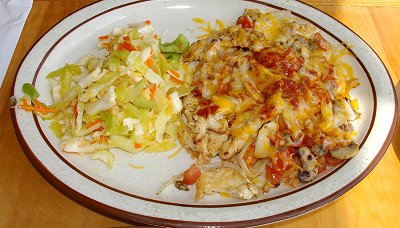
{"x": 27, "y": 199}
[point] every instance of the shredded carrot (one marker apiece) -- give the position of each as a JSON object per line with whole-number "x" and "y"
{"x": 43, "y": 107}
{"x": 121, "y": 46}
{"x": 103, "y": 139}
{"x": 173, "y": 73}
{"x": 148, "y": 22}
{"x": 76, "y": 110}
{"x": 125, "y": 45}
{"x": 42, "y": 110}
{"x": 24, "y": 101}
{"x": 149, "y": 62}
{"x": 126, "y": 38}
{"x": 99, "y": 129}
{"x": 138, "y": 145}
{"x": 176, "y": 80}
{"x": 174, "y": 76}
{"x": 153, "y": 91}
{"x": 103, "y": 37}
{"x": 155, "y": 36}
{"x": 93, "y": 123}
{"x": 37, "y": 103}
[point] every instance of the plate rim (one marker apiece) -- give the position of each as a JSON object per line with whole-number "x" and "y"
{"x": 130, "y": 217}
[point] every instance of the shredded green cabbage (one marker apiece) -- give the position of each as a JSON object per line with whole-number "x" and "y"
{"x": 124, "y": 100}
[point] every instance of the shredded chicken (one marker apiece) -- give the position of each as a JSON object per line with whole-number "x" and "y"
{"x": 225, "y": 181}
{"x": 272, "y": 69}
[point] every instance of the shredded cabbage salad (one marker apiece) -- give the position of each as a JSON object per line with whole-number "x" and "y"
{"x": 130, "y": 99}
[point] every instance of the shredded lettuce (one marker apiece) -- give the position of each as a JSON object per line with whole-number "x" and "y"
{"x": 56, "y": 127}
{"x": 167, "y": 144}
{"x": 179, "y": 45}
{"x": 105, "y": 156}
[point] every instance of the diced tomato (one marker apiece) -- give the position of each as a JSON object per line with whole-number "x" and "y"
{"x": 321, "y": 93}
{"x": 204, "y": 102}
{"x": 332, "y": 161}
{"x": 321, "y": 167}
{"x": 282, "y": 160}
{"x": 269, "y": 59}
{"x": 286, "y": 62}
{"x": 211, "y": 109}
{"x": 244, "y": 21}
{"x": 277, "y": 140}
{"x": 308, "y": 142}
{"x": 321, "y": 164}
{"x": 274, "y": 177}
{"x": 191, "y": 175}
{"x": 277, "y": 163}
{"x": 320, "y": 41}
{"x": 294, "y": 64}
{"x": 224, "y": 88}
{"x": 197, "y": 92}
{"x": 313, "y": 72}
{"x": 286, "y": 157}
{"x": 328, "y": 74}
{"x": 291, "y": 151}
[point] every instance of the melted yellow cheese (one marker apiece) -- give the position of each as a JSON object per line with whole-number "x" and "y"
{"x": 220, "y": 24}
{"x": 225, "y": 103}
{"x": 270, "y": 26}
{"x": 327, "y": 117}
{"x": 198, "y": 20}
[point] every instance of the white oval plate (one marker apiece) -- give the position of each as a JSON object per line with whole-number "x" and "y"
{"x": 129, "y": 194}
